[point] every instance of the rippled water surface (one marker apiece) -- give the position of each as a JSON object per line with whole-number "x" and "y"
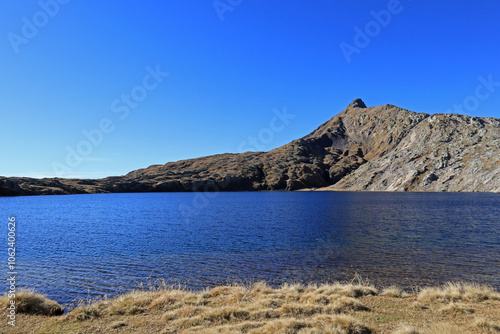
{"x": 90, "y": 245}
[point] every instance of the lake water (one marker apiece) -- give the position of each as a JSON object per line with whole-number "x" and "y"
{"x": 83, "y": 246}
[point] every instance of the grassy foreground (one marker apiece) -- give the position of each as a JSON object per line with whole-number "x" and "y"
{"x": 334, "y": 308}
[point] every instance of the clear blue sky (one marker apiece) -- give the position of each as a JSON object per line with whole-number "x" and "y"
{"x": 66, "y": 68}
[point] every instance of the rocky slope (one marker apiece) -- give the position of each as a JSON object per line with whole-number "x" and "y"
{"x": 383, "y": 148}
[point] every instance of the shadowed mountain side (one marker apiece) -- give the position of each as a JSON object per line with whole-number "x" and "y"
{"x": 384, "y": 148}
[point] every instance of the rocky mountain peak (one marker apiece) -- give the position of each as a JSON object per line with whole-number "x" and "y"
{"x": 383, "y": 148}
{"x": 357, "y": 103}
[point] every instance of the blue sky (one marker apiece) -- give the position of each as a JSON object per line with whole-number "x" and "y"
{"x": 157, "y": 81}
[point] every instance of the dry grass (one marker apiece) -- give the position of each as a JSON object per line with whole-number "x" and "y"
{"x": 394, "y": 292}
{"x": 28, "y": 302}
{"x": 348, "y": 308}
{"x": 487, "y": 324}
{"x": 454, "y": 292}
{"x": 406, "y": 329}
{"x": 444, "y": 328}
{"x": 439, "y": 328}
{"x": 456, "y": 308}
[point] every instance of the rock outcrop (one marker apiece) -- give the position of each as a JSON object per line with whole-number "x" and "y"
{"x": 384, "y": 148}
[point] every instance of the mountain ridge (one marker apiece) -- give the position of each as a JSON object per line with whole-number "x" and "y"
{"x": 383, "y": 148}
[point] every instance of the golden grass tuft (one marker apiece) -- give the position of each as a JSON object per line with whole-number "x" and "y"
{"x": 261, "y": 288}
{"x": 85, "y": 313}
{"x": 341, "y": 323}
{"x": 344, "y": 304}
{"x": 394, "y": 292}
{"x": 300, "y": 310}
{"x": 454, "y": 292}
{"x": 225, "y": 314}
{"x": 282, "y": 326}
{"x": 350, "y": 290}
{"x": 167, "y": 300}
{"x": 29, "y": 302}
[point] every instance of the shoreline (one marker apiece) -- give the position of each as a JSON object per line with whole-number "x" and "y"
{"x": 323, "y": 189}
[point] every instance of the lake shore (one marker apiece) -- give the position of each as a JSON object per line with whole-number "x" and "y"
{"x": 351, "y": 307}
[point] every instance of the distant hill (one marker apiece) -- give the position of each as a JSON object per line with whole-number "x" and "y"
{"x": 384, "y": 148}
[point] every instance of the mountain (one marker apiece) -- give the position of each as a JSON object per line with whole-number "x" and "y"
{"x": 384, "y": 148}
